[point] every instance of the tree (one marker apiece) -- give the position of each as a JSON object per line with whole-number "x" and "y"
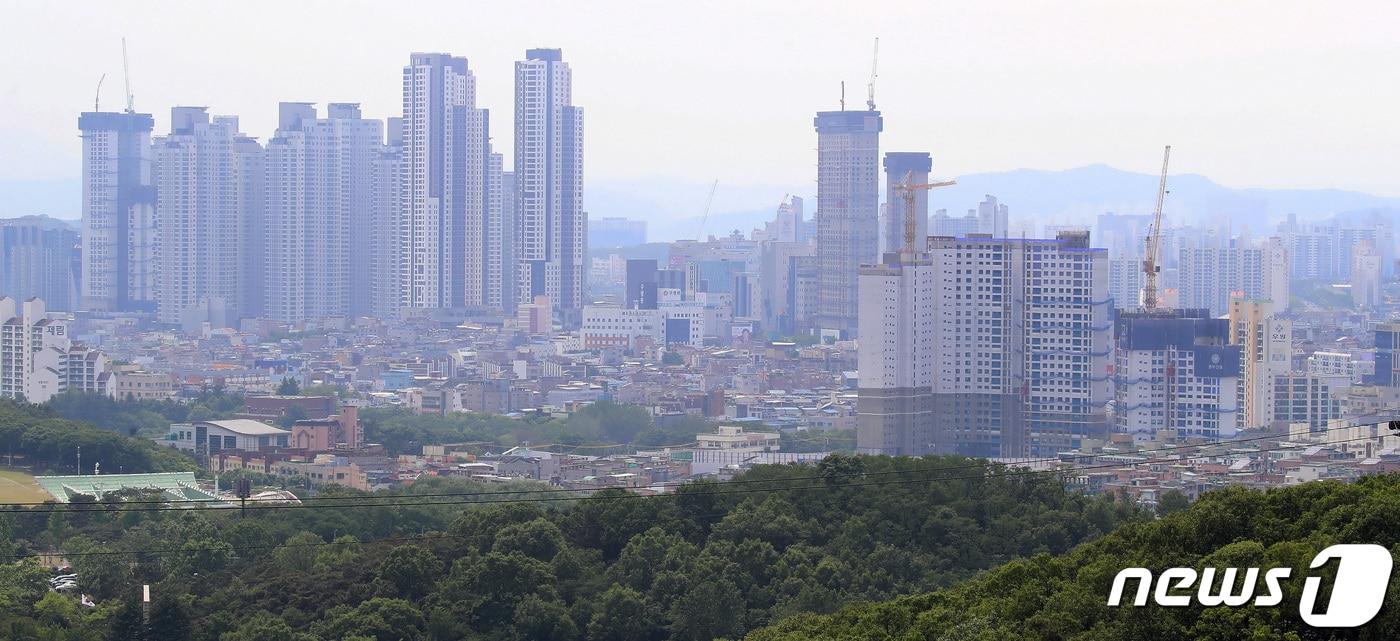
{"x": 265, "y": 626}
{"x": 712, "y": 608}
{"x": 170, "y": 620}
{"x": 291, "y": 416}
{"x": 624, "y": 615}
{"x": 540, "y": 620}
{"x": 288, "y": 387}
{"x": 411, "y": 570}
{"x": 298, "y": 553}
{"x": 379, "y": 619}
{"x": 127, "y": 625}
{"x": 1172, "y": 501}
{"x": 538, "y": 539}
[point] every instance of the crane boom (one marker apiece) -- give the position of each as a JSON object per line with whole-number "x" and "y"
{"x": 700, "y": 236}
{"x": 126, "y": 76}
{"x": 1150, "y": 268}
{"x": 908, "y": 187}
{"x": 874, "y": 69}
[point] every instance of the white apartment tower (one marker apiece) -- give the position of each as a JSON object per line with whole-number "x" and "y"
{"x": 385, "y": 251}
{"x": 1018, "y": 349}
{"x": 37, "y": 361}
{"x": 848, "y": 212}
{"x": 551, "y": 226}
{"x": 1366, "y": 275}
{"x": 208, "y": 184}
{"x": 318, "y": 212}
{"x": 119, "y": 213}
{"x": 896, "y": 359}
{"x": 1208, "y": 277}
{"x": 444, "y": 227}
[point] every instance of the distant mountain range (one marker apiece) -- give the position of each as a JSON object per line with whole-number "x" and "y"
{"x": 673, "y": 207}
{"x": 1073, "y": 196}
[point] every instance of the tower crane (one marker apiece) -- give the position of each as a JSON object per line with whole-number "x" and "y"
{"x": 1150, "y": 268}
{"x": 700, "y": 236}
{"x": 907, "y": 188}
{"x": 126, "y": 78}
{"x": 874, "y": 67}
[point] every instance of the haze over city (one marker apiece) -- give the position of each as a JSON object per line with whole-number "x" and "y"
{"x": 747, "y": 321}
{"x": 1253, "y": 94}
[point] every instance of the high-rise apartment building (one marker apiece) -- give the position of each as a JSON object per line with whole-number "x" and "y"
{"x": 897, "y": 358}
{"x": 993, "y": 217}
{"x": 551, "y": 226}
{"x": 1266, "y": 352}
{"x": 37, "y": 360}
{"x": 1125, "y": 282}
{"x": 119, "y": 213}
{"x": 1208, "y": 277}
{"x": 38, "y": 258}
{"x": 1175, "y": 369}
{"x": 848, "y": 212}
{"x": 446, "y": 227}
{"x": 1017, "y": 353}
{"x": 385, "y": 255}
{"x": 318, "y": 212}
{"x": 913, "y": 166}
{"x": 1366, "y": 275}
{"x": 208, "y": 195}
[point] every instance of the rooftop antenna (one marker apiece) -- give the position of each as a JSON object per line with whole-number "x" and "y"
{"x": 126, "y": 75}
{"x": 97, "y": 100}
{"x": 874, "y": 66}
{"x": 843, "y": 95}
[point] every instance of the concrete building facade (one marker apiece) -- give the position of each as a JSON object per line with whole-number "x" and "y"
{"x": 848, "y": 212}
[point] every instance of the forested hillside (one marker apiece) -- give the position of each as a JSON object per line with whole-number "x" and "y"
{"x": 39, "y": 438}
{"x": 713, "y": 560}
{"x": 1054, "y": 597}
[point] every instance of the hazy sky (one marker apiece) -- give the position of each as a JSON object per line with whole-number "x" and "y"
{"x": 1250, "y": 93}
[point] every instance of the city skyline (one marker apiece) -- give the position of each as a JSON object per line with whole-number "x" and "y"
{"x": 1135, "y": 78}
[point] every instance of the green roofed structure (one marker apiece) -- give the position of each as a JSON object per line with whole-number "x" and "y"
{"x": 174, "y": 486}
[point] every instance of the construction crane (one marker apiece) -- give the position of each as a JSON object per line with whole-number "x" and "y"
{"x": 97, "y": 100}
{"x": 126, "y": 75}
{"x": 1150, "y": 268}
{"x": 908, "y": 187}
{"x": 874, "y": 67}
{"x": 700, "y": 236}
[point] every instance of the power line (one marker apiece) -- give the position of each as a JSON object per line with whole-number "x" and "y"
{"x": 664, "y": 485}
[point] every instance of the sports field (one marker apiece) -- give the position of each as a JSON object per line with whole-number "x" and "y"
{"x": 19, "y": 487}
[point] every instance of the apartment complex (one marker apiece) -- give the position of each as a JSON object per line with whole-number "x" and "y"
{"x": 1009, "y": 337}
{"x": 551, "y": 227}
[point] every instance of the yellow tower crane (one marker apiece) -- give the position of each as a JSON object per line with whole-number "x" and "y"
{"x": 1150, "y": 268}
{"x": 907, "y": 188}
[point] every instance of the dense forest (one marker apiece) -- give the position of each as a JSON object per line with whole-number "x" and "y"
{"x": 710, "y": 561}
{"x": 1055, "y": 597}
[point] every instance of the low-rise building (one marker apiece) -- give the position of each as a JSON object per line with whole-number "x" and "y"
{"x": 734, "y": 438}
{"x": 209, "y": 437}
